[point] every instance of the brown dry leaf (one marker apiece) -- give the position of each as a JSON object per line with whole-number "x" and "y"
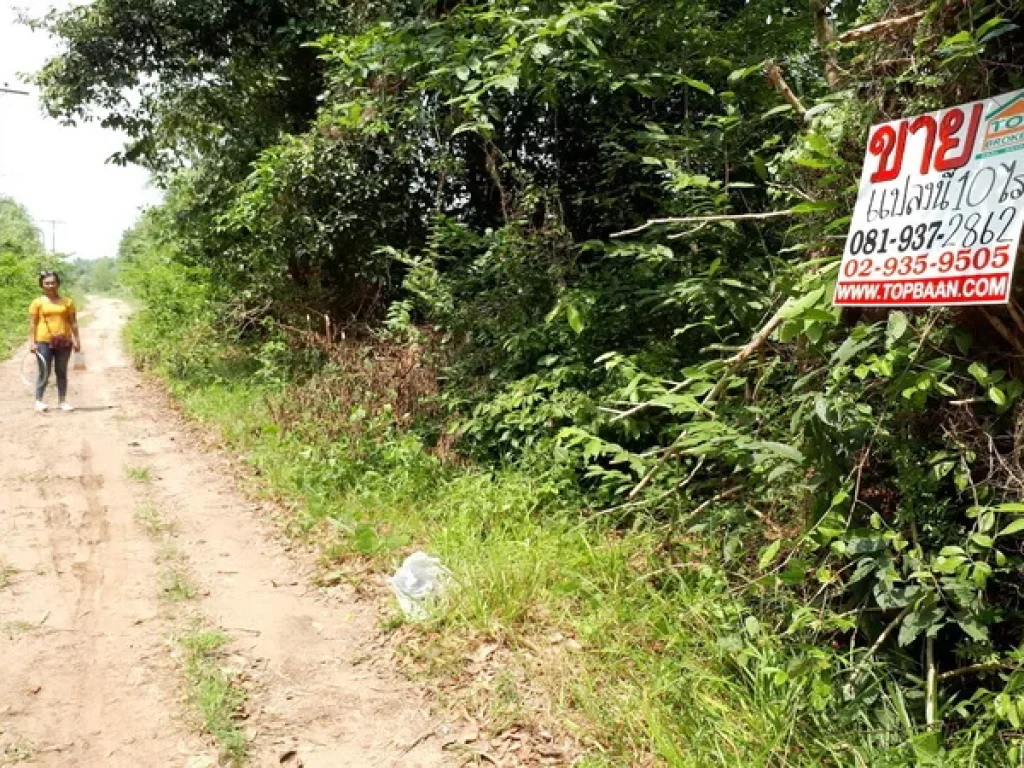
{"x": 467, "y": 734}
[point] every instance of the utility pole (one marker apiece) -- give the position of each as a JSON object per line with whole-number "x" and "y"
{"x": 53, "y": 232}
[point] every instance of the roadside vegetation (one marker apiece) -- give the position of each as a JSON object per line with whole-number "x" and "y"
{"x": 21, "y": 258}
{"x": 442, "y": 274}
{"x": 213, "y": 695}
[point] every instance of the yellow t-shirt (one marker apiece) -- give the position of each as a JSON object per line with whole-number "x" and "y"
{"x": 55, "y": 318}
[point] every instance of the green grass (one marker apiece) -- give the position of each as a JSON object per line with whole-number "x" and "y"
{"x": 16, "y": 752}
{"x": 176, "y": 581}
{"x": 176, "y": 584}
{"x": 213, "y": 695}
{"x": 6, "y": 575}
{"x": 153, "y": 520}
{"x": 139, "y": 474}
{"x": 15, "y": 628}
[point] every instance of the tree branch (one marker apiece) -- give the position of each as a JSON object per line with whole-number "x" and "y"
{"x": 620, "y": 415}
{"x": 731, "y": 364}
{"x": 741, "y": 356}
{"x": 993, "y": 666}
{"x": 859, "y": 670}
{"x": 778, "y": 82}
{"x": 826, "y": 37}
{"x": 879, "y": 28}
{"x": 1005, "y": 332}
{"x": 703, "y": 219}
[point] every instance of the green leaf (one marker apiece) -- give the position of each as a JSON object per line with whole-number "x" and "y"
{"x": 963, "y": 340}
{"x": 781, "y": 449}
{"x": 779, "y": 110}
{"x": 997, "y": 396}
{"x": 816, "y": 206}
{"x": 509, "y": 82}
{"x": 768, "y": 556}
{"x": 849, "y": 348}
{"x": 697, "y": 84}
{"x": 987, "y": 521}
{"x": 909, "y": 630}
{"x": 896, "y": 328}
{"x": 575, "y": 318}
{"x": 1015, "y": 527}
{"x": 979, "y": 372}
{"x": 740, "y": 74}
{"x": 365, "y": 539}
{"x": 760, "y": 168}
{"x": 988, "y": 26}
{"x": 803, "y": 303}
{"x": 986, "y": 33}
{"x": 927, "y": 747}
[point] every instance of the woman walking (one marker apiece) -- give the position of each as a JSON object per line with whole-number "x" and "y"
{"x": 53, "y": 333}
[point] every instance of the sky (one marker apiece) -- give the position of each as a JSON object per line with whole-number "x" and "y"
{"x": 60, "y": 173}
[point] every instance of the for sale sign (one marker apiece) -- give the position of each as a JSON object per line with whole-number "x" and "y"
{"x": 938, "y": 216}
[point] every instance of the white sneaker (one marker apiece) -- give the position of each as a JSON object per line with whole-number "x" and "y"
{"x": 41, "y": 406}
{"x": 66, "y": 407}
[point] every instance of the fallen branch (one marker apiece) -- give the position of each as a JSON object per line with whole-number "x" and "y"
{"x": 879, "y": 28}
{"x": 859, "y": 670}
{"x": 688, "y": 233}
{"x": 621, "y": 415}
{"x": 731, "y": 364}
{"x": 752, "y": 346}
{"x": 682, "y": 484}
{"x": 778, "y": 82}
{"x": 977, "y": 669}
{"x": 703, "y": 219}
{"x": 646, "y": 479}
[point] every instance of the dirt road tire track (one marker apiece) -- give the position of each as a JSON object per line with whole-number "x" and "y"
{"x": 87, "y": 672}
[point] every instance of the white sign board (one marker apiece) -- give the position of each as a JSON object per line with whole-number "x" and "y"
{"x": 938, "y": 216}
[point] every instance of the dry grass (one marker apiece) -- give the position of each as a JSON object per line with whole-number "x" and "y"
{"x": 370, "y": 374}
{"x": 6, "y": 575}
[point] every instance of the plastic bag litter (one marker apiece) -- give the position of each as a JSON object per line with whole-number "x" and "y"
{"x": 420, "y": 578}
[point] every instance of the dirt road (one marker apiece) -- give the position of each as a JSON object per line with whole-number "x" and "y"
{"x": 90, "y": 670}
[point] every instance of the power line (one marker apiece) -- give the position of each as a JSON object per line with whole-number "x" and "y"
{"x": 4, "y": 89}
